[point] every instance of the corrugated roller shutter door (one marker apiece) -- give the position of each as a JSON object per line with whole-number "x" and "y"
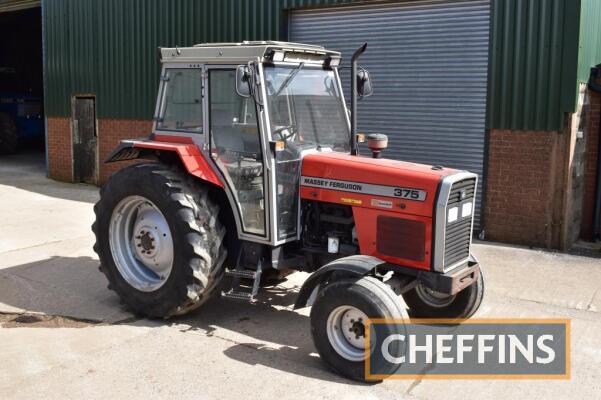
{"x": 429, "y": 65}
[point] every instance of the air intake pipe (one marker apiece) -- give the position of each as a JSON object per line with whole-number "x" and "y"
{"x": 377, "y": 142}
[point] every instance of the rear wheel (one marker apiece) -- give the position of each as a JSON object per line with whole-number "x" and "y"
{"x": 424, "y": 302}
{"x": 159, "y": 240}
{"x": 9, "y": 138}
{"x": 338, "y": 323}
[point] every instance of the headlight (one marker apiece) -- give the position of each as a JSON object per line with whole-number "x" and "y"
{"x": 466, "y": 210}
{"x": 453, "y": 214}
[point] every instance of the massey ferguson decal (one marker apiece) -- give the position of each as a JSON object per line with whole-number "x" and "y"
{"x": 365, "y": 188}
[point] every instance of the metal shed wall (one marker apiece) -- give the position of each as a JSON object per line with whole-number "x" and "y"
{"x": 590, "y": 38}
{"x": 108, "y": 47}
{"x": 533, "y": 63}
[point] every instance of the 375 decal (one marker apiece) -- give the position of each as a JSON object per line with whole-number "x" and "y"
{"x": 412, "y": 194}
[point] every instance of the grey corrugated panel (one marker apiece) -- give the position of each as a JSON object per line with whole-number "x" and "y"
{"x": 429, "y": 64}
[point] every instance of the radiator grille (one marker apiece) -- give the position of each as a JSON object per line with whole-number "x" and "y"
{"x": 401, "y": 238}
{"x": 458, "y": 233}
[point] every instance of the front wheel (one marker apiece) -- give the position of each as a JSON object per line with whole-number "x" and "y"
{"x": 424, "y": 302}
{"x": 338, "y": 323}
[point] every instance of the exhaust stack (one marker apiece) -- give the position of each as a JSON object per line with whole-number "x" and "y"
{"x": 354, "y": 59}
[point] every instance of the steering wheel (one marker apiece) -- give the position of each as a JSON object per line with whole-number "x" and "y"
{"x": 280, "y": 131}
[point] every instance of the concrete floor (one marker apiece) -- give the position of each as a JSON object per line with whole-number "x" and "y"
{"x": 77, "y": 341}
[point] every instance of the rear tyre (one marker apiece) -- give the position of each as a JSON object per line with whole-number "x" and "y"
{"x": 338, "y": 320}
{"x": 159, "y": 241}
{"x": 9, "y": 138}
{"x": 426, "y": 303}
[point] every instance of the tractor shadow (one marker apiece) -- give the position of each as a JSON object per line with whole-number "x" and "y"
{"x": 267, "y": 333}
{"x": 67, "y": 292}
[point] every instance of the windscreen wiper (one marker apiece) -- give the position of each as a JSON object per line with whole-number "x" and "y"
{"x": 289, "y": 78}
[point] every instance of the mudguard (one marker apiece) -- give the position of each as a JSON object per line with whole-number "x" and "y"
{"x": 355, "y": 266}
{"x": 191, "y": 157}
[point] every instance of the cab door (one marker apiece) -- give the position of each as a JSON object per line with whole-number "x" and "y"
{"x": 236, "y": 149}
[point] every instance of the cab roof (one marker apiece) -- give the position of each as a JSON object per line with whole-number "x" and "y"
{"x": 236, "y": 53}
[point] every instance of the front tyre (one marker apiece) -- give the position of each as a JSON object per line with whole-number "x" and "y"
{"x": 424, "y": 302}
{"x": 338, "y": 323}
{"x": 159, "y": 240}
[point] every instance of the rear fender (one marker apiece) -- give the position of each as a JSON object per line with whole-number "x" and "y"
{"x": 353, "y": 266}
{"x": 189, "y": 154}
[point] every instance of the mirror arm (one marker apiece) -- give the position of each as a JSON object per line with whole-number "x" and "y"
{"x": 252, "y": 82}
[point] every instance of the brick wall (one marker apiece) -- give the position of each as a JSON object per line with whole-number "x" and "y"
{"x": 524, "y": 187}
{"x": 591, "y": 131}
{"x": 60, "y": 159}
{"x": 110, "y": 132}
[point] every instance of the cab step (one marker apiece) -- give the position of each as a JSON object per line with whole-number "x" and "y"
{"x": 231, "y": 294}
{"x": 244, "y": 273}
{"x": 240, "y": 291}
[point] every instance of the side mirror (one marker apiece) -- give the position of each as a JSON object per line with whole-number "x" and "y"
{"x": 364, "y": 86}
{"x": 243, "y": 81}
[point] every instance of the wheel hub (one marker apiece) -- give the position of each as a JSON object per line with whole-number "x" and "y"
{"x": 346, "y": 332}
{"x": 358, "y": 329}
{"x": 144, "y": 242}
{"x": 432, "y": 297}
{"x": 141, "y": 243}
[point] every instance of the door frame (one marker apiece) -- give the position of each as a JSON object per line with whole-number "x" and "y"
{"x": 268, "y": 164}
{"x": 74, "y": 97}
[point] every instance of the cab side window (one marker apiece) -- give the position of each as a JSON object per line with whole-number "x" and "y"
{"x": 182, "y": 101}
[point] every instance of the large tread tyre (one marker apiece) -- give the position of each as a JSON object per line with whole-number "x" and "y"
{"x": 460, "y": 306}
{"x": 373, "y": 298}
{"x": 197, "y": 238}
{"x": 9, "y": 138}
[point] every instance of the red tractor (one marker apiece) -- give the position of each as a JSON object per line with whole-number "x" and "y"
{"x": 253, "y": 171}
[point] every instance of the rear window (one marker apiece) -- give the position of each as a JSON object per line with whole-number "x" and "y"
{"x": 182, "y": 101}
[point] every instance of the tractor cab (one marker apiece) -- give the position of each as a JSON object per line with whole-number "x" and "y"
{"x": 255, "y": 108}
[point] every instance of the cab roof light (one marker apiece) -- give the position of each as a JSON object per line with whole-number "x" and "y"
{"x": 278, "y": 56}
{"x": 332, "y": 61}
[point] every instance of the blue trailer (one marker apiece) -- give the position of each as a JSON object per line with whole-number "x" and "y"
{"x": 21, "y": 120}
